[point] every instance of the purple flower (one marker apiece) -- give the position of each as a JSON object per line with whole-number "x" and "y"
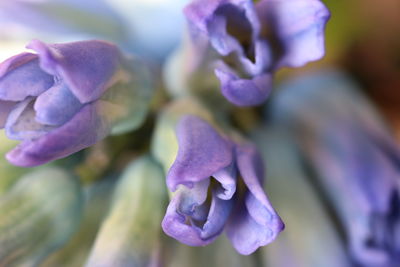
{"x": 218, "y": 186}
{"x": 252, "y": 40}
{"x": 354, "y": 157}
{"x": 65, "y": 98}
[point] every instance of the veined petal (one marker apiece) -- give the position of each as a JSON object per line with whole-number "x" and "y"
{"x": 57, "y": 105}
{"x": 21, "y": 76}
{"x": 83, "y": 130}
{"x": 87, "y": 67}
{"x": 244, "y": 92}
{"x": 299, "y": 26}
{"x": 202, "y": 152}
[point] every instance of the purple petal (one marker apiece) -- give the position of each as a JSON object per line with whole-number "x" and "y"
{"x": 231, "y": 27}
{"x": 202, "y": 13}
{"x": 57, "y": 105}
{"x": 202, "y": 152}
{"x": 227, "y": 178}
{"x": 254, "y": 223}
{"x": 198, "y": 12}
{"x": 246, "y": 235}
{"x": 193, "y": 221}
{"x": 299, "y": 26}
{"x": 262, "y": 59}
{"x": 190, "y": 198}
{"x": 219, "y": 212}
{"x": 244, "y": 92}
{"x": 251, "y": 168}
{"x": 83, "y": 130}
{"x": 21, "y": 123}
{"x": 220, "y": 39}
{"x": 175, "y": 225}
{"x": 21, "y": 76}
{"x": 5, "y": 109}
{"x": 86, "y": 67}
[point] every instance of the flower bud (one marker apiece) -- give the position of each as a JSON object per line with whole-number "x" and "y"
{"x": 242, "y": 44}
{"x": 38, "y": 214}
{"x": 129, "y": 235}
{"x": 354, "y": 157}
{"x": 67, "y": 97}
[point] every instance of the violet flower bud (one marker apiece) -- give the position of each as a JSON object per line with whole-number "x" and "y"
{"x": 67, "y": 97}
{"x": 354, "y": 157}
{"x": 218, "y": 185}
{"x": 252, "y": 39}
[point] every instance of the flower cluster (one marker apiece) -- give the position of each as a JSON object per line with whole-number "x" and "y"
{"x": 65, "y": 97}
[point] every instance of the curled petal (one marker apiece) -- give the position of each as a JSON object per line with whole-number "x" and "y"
{"x": 299, "y": 26}
{"x": 87, "y": 67}
{"x": 250, "y": 166}
{"x": 254, "y": 223}
{"x": 244, "y": 92}
{"x": 227, "y": 178}
{"x": 174, "y": 224}
{"x": 56, "y": 106}
{"x": 191, "y": 220}
{"x": 21, "y": 123}
{"x": 83, "y": 130}
{"x": 202, "y": 14}
{"x": 202, "y": 152}
{"x": 219, "y": 212}
{"x": 220, "y": 39}
{"x": 190, "y": 199}
{"x": 21, "y": 76}
{"x": 246, "y": 235}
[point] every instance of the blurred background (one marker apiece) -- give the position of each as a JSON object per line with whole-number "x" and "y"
{"x": 329, "y": 136}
